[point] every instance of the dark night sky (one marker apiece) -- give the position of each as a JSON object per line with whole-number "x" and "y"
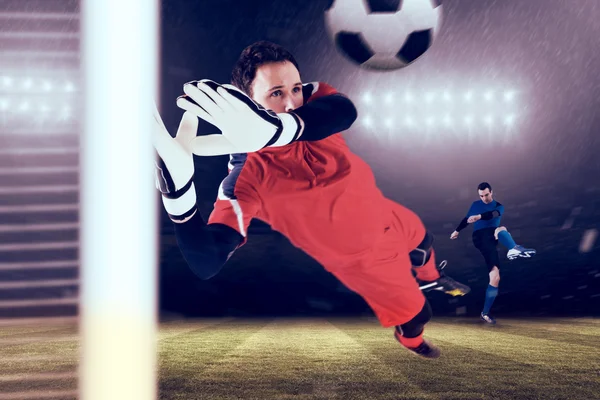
{"x": 546, "y": 50}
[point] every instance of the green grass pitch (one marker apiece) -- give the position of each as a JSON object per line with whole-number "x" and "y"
{"x": 329, "y": 359}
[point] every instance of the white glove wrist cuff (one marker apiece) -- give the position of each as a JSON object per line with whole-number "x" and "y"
{"x": 182, "y": 204}
{"x": 291, "y": 129}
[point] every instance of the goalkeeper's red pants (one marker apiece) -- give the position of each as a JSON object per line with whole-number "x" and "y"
{"x": 385, "y": 280}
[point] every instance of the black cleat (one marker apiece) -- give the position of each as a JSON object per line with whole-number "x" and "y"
{"x": 425, "y": 349}
{"x": 445, "y": 284}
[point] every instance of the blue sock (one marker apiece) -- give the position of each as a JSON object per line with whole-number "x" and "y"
{"x": 490, "y": 296}
{"x": 506, "y": 240}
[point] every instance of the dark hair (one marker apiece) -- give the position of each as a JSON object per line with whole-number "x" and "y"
{"x": 484, "y": 185}
{"x": 252, "y": 57}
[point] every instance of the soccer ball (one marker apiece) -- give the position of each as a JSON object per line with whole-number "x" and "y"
{"x": 383, "y": 34}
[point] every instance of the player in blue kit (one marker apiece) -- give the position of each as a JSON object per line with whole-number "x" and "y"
{"x": 485, "y": 214}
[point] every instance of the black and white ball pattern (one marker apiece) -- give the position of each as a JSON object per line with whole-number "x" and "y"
{"x": 383, "y": 34}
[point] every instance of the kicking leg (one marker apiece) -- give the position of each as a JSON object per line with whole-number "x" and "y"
{"x": 514, "y": 250}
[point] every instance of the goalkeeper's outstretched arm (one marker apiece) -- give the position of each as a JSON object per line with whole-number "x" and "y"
{"x": 206, "y": 248}
{"x": 325, "y": 117}
{"x": 248, "y": 127}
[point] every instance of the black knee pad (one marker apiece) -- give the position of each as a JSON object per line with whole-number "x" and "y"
{"x": 415, "y": 326}
{"x": 422, "y": 254}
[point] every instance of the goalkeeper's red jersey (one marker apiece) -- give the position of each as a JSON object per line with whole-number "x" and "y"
{"x": 319, "y": 194}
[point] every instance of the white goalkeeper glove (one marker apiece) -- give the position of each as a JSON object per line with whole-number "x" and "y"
{"x": 245, "y": 125}
{"x": 174, "y": 170}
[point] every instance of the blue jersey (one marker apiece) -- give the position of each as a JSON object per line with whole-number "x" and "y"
{"x": 479, "y": 207}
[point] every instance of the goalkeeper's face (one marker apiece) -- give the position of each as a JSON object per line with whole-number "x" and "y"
{"x": 277, "y": 86}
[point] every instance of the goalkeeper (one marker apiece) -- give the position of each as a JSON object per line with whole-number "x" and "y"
{"x": 290, "y": 168}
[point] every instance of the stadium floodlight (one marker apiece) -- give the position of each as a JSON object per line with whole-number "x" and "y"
{"x": 367, "y": 98}
{"x": 66, "y": 113}
{"x": 509, "y": 120}
{"x": 7, "y": 81}
{"x": 27, "y": 83}
{"x": 389, "y": 98}
{"x": 509, "y": 95}
{"x": 433, "y": 109}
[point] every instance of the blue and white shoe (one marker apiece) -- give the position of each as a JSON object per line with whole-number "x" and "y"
{"x": 520, "y": 251}
{"x": 488, "y": 319}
